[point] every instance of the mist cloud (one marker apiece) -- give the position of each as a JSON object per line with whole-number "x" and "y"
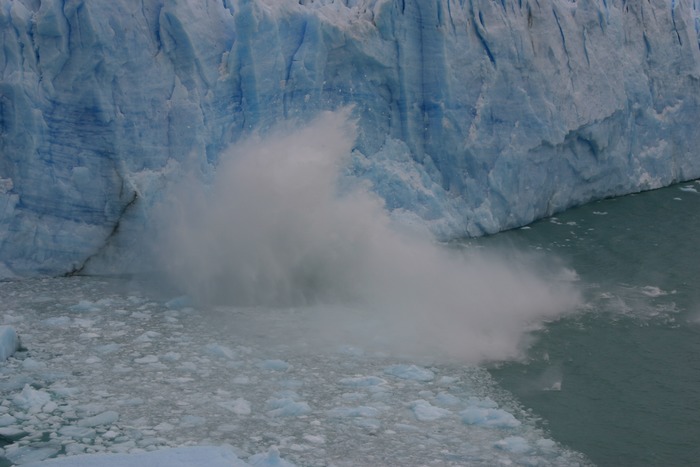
{"x": 280, "y": 226}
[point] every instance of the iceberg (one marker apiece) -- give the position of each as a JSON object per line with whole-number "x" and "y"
{"x": 472, "y": 116}
{"x": 9, "y": 342}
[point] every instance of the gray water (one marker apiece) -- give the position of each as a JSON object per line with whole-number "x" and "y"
{"x": 620, "y": 381}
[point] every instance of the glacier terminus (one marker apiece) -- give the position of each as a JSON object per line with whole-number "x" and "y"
{"x": 472, "y": 116}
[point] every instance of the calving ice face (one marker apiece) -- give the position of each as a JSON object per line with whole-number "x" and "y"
{"x": 472, "y": 117}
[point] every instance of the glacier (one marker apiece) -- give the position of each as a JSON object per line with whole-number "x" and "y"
{"x": 473, "y": 116}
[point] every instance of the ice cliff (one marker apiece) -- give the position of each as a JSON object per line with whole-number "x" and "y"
{"x": 474, "y": 115}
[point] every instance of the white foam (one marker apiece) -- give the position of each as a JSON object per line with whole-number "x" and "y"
{"x": 653, "y": 291}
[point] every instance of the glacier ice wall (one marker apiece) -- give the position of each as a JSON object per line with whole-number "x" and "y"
{"x": 473, "y": 115}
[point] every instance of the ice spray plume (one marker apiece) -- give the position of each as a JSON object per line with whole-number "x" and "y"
{"x": 281, "y": 226}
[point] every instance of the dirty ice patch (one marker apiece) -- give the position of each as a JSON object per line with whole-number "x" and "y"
{"x": 211, "y": 456}
{"x": 9, "y": 342}
{"x": 410, "y": 372}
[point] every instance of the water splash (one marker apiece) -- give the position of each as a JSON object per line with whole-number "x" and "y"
{"x": 282, "y": 225}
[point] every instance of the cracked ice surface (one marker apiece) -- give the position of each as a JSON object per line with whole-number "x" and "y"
{"x": 109, "y": 368}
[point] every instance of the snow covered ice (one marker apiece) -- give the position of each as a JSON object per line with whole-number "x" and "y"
{"x": 114, "y": 370}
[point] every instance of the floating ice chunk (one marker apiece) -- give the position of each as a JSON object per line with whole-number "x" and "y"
{"x": 447, "y": 380}
{"x": 192, "y": 420}
{"x": 14, "y": 383}
{"x": 688, "y": 188}
{"x": 147, "y": 336}
{"x": 370, "y": 424}
{"x": 209, "y": 456}
{"x": 353, "y": 396}
{"x": 76, "y": 432}
{"x": 362, "y": 381}
{"x": 64, "y": 391}
{"x": 164, "y": 426}
{"x": 426, "y": 412}
{"x": 30, "y": 399}
{"x": 7, "y": 420}
{"x": 221, "y": 351}
{"x": 411, "y": 372}
{"x": 147, "y": 359}
{"x": 85, "y": 306}
{"x": 58, "y": 322}
{"x": 546, "y": 444}
{"x": 49, "y": 407}
{"x": 240, "y": 406}
{"x": 29, "y": 454}
{"x": 270, "y": 459}
{"x": 486, "y": 402}
{"x": 104, "y": 418}
{"x": 361, "y": 411}
{"x": 108, "y": 348}
{"x": 445, "y": 398}
{"x": 315, "y": 439}
{"x": 351, "y": 351}
{"x": 179, "y": 303}
{"x": 171, "y": 356}
{"x": 109, "y": 434}
{"x": 556, "y": 386}
{"x": 514, "y": 444}
{"x": 9, "y": 342}
{"x": 12, "y": 433}
{"x": 276, "y": 365}
{"x": 490, "y": 417}
{"x": 287, "y": 407}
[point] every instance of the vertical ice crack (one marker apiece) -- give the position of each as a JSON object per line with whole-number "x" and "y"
{"x": 77, "y": 270}
{"x": 477, "y": 21}
{"x": 673, "y": 20}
